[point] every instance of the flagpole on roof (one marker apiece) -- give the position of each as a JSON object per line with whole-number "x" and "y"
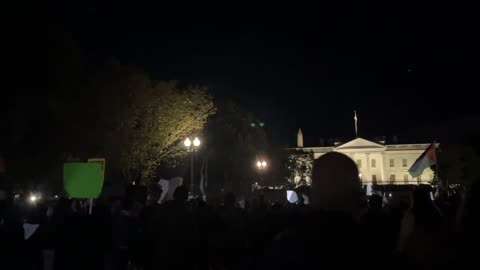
{"x": 356, "y": 122}
{"x": 441, "y": 185}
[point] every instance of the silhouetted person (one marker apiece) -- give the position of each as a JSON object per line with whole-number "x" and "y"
{"x": 34, "y": 236}
{"x": 380, "y": 229}
{"x": 336, "y": 185}
{"x": 209, "y": 232}
{"x": 233, "y": 238}
{"x": 72, "y": 234}
{"x": 146, "y": 216}
{"x": 330, "y": 237}
{"x": 468, "y": 231}
{"x": 423, "y": 235}
{"x": 11, "y": 236}
{"x": 172, "y": 232}
{"x": 122, "y": 223}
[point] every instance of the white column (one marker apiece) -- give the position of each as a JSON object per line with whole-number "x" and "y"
{"x": 382, "y": 166}
{"x": 367, "y": 169}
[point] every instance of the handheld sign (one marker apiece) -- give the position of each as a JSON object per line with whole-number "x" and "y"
{"x": 101, "y": 161}
{"x": 83, "y": 180}
{"x": 292, "y": 196}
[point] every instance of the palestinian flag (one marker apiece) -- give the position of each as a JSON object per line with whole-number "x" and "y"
{"x": 427, "y": 159}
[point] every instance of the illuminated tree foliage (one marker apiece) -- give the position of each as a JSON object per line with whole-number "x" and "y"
{"x": 135, "y": 122}
{"x": 299, "y": 166}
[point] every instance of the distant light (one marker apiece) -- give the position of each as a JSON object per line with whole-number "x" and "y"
{"x": 390, "y": 195}
{"x": 133, "y": 183}
{"x": 252, "y": 124}
{"x": 259, "y": 164}
{"x": 262, "y": 124}
{"x": 360, "y": 175}
{"x": 17, "y": 196}
{"x": 33, "y": 198}
{"x": 187, "y": 142}
{"x": 56, "y": 196}
{"x": 264, "y": 164}
{"x": 196, "y": 142}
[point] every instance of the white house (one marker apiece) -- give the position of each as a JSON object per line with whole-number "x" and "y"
{"x": 378, "y": 163}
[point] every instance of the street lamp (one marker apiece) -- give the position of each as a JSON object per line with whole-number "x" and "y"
{"x": 187, "y": 143}
{"x": 196, "y": 142}
{"x": 261, "y": 165}
{"x": 192, "y": 149}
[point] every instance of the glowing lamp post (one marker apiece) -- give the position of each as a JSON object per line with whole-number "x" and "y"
{"x": 192, "y": 149}
{"x": 261, "y": 166}
{"x": 187, "y": 143}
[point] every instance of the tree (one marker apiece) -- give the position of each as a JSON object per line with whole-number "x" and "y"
{"x": 458, "y": 164}
{"x": 299, "y": 165}
{"x": 232, "y": 145}
{"x": 135, "y": 122}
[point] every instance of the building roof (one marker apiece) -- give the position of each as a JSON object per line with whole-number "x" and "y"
{"x": 361, "y": 143}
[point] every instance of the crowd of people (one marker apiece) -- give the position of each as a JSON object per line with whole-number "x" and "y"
{"x": 340, "y": 227}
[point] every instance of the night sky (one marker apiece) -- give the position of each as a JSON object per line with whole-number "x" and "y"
{"x": 403, "y": 69}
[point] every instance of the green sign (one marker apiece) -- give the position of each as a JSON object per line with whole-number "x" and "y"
{"x": 83, "y": 180}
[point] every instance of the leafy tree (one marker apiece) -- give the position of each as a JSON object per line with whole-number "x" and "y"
{"x": 458, "y": 164}
{"x": 71, "y": 108}
{"x": 232, "y": 145}
{"x": 135, "y": 122}
{"x": 299, "y": 165}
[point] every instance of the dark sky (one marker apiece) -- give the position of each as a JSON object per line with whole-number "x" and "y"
{"x": 401, "y": 68}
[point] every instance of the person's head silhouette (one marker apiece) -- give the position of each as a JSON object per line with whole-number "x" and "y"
{"x": 336, "y": 185}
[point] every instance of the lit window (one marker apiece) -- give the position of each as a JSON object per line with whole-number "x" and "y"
{"x": 374, "y": 163}
{"x": 392, "y": 163}
{"x": 404, "y": 162}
